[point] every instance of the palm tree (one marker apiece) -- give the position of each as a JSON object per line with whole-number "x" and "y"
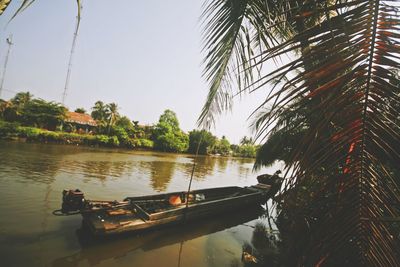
{"x": 100, "y": 114}
{"x": 343, "y": 195}
{"x": 12, "y": 110}
{"x": 21, "y": 99}
{"x": 246, "y": 141}
{"x": 113, "y": 115}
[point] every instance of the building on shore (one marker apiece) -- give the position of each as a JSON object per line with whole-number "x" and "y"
{"x": 79, "y": 122}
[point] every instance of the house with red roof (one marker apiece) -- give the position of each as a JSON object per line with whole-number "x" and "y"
{"x": 80, "y": 122}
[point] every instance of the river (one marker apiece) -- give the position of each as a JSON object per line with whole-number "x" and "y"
{"x": 32, "y": 177}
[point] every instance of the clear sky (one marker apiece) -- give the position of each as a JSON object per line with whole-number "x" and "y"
{"x": 143, "y": 55}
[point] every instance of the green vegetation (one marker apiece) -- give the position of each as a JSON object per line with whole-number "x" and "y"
{"x": 330, "y": 112}
{"x": 22, "y": 108}
{"x": 167, "y": 135}
{"x": 222, "y": 147}
{"x": 37, "y": 120}
{"x": 206, "y": 140}
{"x": 80, "y": 110}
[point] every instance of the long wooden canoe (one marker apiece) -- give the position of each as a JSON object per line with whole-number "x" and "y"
{"x": 145, "y": 212}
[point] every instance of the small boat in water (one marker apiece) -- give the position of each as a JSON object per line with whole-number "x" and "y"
{"x": 139, "y": 213}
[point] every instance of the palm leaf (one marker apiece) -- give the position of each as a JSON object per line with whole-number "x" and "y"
{"x": 232, "y": 30}
{"x": 26, "y": 3}
{"x": 3, "y": 5}
{"x": 346, "y": 182}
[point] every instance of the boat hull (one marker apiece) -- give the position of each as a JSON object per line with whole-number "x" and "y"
{"x": 135, "y": 217}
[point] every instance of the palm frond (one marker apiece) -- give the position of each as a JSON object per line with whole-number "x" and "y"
{"x": 3, "y": 5}
{"x": 350, "y": 144}
{"x": 346, "y": 181}
{"x": 232, "y": 29}
{"x": 27, "y": 3}
{"x": 24, "y": 5}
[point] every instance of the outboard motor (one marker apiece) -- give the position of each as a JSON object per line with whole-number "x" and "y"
{"x": 73, "y": 201}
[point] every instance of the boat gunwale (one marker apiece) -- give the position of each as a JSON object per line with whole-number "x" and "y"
{"x": 183, "y": 206}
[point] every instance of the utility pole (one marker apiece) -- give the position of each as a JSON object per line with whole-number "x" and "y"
{"x": 10, "y": 43}
{"x": 78, "y": 19}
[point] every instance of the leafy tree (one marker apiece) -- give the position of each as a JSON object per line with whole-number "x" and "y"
{"x": 125, "y": 123}
{"x": 80, "y": 110}
{"x": 338, "y": 80}
{"x": 248, "y": 151}
{"x": 168, "y": 136}
{"x": 206, "y": 140}
{"x": 4, "y": 105}
{"x": 222, "y": 146}
{"x": 12, "y": 110}
{"x": 43, "y": 114}
{"x": 21, "y": 99}
{"x": 246, "y": 140}
{"x": 169, "y": 117}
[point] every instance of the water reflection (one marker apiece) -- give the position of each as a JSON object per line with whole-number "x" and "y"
{"x": 95, "y": 251}
{"x": 263, "y": 249}
{"x": 34, "y": 165}
{"x": 161, "y": 173}
{"x": 32, "y": 177}
{"x": 222, "y": 164}
{"x": 204, "y": 167}
{"x": 102, "y": 169}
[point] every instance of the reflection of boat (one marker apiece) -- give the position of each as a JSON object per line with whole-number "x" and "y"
{"x": 138, "y": 213}
{"x": 94, "y": 252}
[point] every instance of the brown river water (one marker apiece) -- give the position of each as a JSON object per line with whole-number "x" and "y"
{"x": 32, "y": 177}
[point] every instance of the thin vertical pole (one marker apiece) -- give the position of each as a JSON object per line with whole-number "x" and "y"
{"x": 191, "y": 176}
{"x": 78, "y": 18}
{"x": 10, "y": 43}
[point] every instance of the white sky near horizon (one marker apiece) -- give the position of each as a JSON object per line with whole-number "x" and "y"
{"x": 145, "y": 56}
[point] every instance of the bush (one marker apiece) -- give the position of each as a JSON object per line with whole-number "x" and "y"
{"x": 8, "y": 129}
{"x": 248, "y": 151}
{"x": 48, "y": 136}
{"x": 28, "y": 132}
{"x": 113, "y": 141}
{"x": 145, "y": 143}
{"x": 101, "y": 139}
{"x": 32, "y": 134}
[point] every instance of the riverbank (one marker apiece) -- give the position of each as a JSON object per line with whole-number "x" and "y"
{"x": 13, "y": 131}
{"x": 16, "y": 132}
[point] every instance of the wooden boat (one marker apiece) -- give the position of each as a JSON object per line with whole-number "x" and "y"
{"x": 146, "y": 212}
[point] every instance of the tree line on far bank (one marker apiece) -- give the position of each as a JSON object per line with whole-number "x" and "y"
{"x": 38, "y": 120}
